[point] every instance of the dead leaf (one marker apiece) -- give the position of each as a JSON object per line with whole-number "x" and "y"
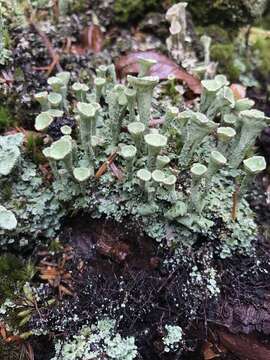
{"x": 6, "y": 78}
{"x": 239, "y": 91}
{"x": 91, "y": 39}
{"x": 208, "y": 352}
{"x": 64, "y": 290}
{"x": 117, "y": 251}
{"x": 116, "y": 171}
{"x": 129, "y": 65}
{"x": 30, "y": 352}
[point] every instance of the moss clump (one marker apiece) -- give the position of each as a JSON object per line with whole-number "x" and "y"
{"x": 225, "y": 54}
{"x": 5, "y": 118}
{"x": 262, "y": 49}
{"x": 229, "y": 13}
{"x": 10, "y": 352}
{"x": 128, "y": 10}
{"x": 12, "y": 273}
{"x": 33, "y": 147}
{"x": 217, "y": 33}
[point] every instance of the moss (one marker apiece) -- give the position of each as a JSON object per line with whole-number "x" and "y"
{"x": 225, "y": 54}
{"x": 129, "y": 10}
{"x": 78, "y": 6}
{"x": 229, "y": 13}
{"x": 10, "y": 352}
{"x": 6, "y": 119}
{"x": 218, "y": 34}
{"x": 262, "y": 48}
{"x": 13, "y": 272}
{"x": 33, "y": 147}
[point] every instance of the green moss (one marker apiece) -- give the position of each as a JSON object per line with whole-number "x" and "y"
{"x": 33, "y": 147}
{"x": 229, "y": 13}
{"x": 262, "y": 49}
{"x": 13, "y": 273}
{"x": 5, "y": 118}
{"x": 218, "y": 34}
{"x": 225, "y": 55}
{"x": 128, "y": 10}
{"x": 10, "y": 352}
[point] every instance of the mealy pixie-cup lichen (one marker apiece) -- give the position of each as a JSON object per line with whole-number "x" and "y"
{"x": 8, "y": 220}
{"x": 198, "y": 127}
{"x": 62, "y": 150}
{"x": 252, "y": 166}
{"x": 225, "y": 136}
{"x": 136, "y": 130}
{"x": 80, "y": 91}
{"x": 252, "y": 123}
{"x": 128, "y": 152}
{"x": 43, "y": 121}
{"x": 198, "y": 172}
{"x": 155, "y": 142}
{"x": 144, "y": 87}
{"x": 131, "y": 102}
{"x": 42, "y": 99}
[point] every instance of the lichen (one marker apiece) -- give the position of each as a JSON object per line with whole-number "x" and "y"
{"x": 173, "y": 337}
{"x": 96, "y": 341}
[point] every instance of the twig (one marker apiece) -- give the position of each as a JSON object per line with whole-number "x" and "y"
{"x": 235, "y": 205}
{"x": 51, "y": 50}
{"x": 105, "y": 165}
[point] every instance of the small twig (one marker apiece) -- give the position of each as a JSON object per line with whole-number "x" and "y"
{"x": 167, "y": 280}
{"x": 51, "y": 50}
{"x": 235, "y": 205}
{"x": 105, "y": 165}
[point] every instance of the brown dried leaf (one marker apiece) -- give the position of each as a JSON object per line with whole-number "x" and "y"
{"x": 116, "y": 171}
{"x": 93, "y": 38}
{"x": 239, "y": 91}
{"x": 129, "y": 65}
{"x": 117, "y": 251}
{"x": 208, "y": 352}
{"x": 64, "y": 290}
{"x": 30, "y": 351}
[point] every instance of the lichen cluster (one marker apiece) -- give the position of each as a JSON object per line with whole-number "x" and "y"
{"x": 177, "y": 180}
{"x": 168, "y": 176}
{"x": 100, "y": 340}
{"x": 29, "y": 210}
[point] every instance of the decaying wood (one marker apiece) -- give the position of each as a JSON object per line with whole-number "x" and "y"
{"x": 246, "y": 347}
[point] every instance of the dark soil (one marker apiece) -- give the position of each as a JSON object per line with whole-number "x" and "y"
{"x": 122, "y": 266}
